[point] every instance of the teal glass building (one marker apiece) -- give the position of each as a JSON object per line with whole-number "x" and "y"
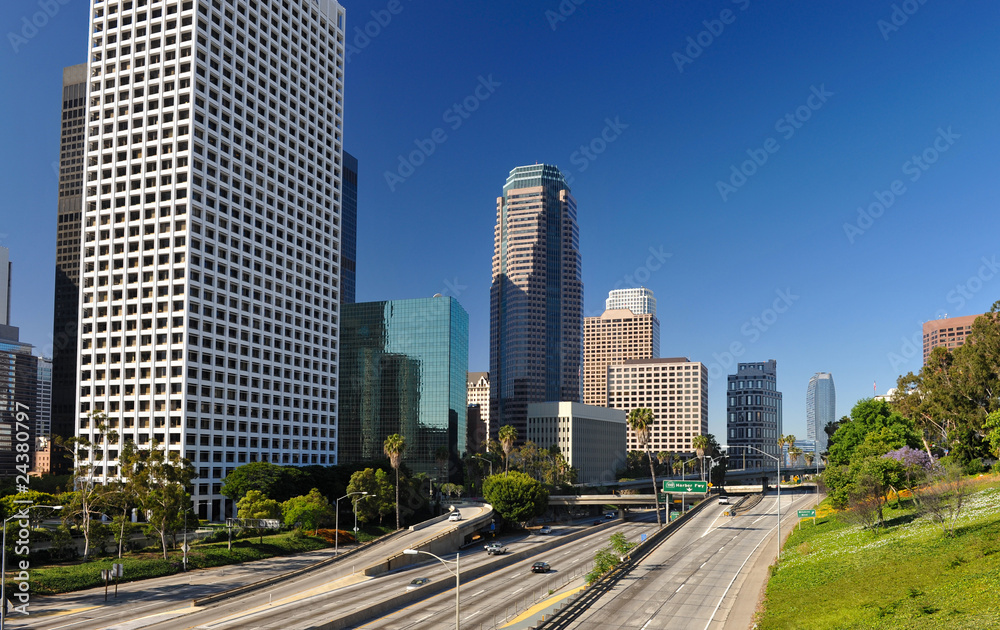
{"x": 403, "y": 366}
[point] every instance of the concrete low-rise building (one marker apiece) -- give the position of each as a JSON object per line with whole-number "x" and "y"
{"x": 592, "y": 439}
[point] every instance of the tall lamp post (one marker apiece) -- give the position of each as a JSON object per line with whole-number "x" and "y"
{"x": 745, "y": 446}
{"x": 336, "y": 532}
{"x": 23, "y": 513}
{"x": 355, "y": 502}
{"x": 413, "y": 552}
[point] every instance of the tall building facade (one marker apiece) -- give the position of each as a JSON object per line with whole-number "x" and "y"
{"x": 536, "y": 298}
{"x": 18, "y": 401}
{"x": 479, "y": 395}
{"x": 674, "y": 389}
{"x": 754, "y": 415}
{"x": 639, "y": 300}
{"x": 821, "y": 408}
{"x": 210, "y": 265}
{"x": 616, "y": 336}
{"x": 403, "y": 367}
{"x": 349, "y": 231}
{"x": 592, "y": 439}
{"x": 4, "y": 286}
{"x": 947, "y": 333}
{"x": 69, "y": 215}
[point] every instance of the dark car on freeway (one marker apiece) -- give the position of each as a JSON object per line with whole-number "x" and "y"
{"x": 540, "y": 567}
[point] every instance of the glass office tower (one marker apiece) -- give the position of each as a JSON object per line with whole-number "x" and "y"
{"x": 403, "y": 367}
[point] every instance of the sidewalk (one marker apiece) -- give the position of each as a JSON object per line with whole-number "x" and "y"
{"x": 171, "y": 589}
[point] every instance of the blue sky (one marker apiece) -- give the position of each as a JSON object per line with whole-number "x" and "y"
{"x": 890, "y": 103}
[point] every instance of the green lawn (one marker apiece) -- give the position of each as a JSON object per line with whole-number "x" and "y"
{"x": 836, "y": 575}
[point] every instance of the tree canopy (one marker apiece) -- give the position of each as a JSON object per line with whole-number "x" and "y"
{"x": 277, "y": 482}
{"x": 516, "y": 496}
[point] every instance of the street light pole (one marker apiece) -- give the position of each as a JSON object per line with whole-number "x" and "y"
{"x": 456, "y": 573}
{"x": 336, "y": 532}
{"x": 355, "y": 502}
{"x": 23, "y": 513}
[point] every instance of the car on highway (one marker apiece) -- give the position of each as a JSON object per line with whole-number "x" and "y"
{"x": 495, "y": 548}
{"x": 599, "y": 522}
{"x": 723, "y": 500}
{"x": 545, "y": 530}
{"x": 540, "y": 567}
{"x": 610, "y": 516}
{"x": 455, "y": 516}
{"x": 417, "y": 583}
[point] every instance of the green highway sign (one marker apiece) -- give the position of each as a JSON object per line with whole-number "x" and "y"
{"x": 807, "y": 513}
{"x": 685, "y": 486}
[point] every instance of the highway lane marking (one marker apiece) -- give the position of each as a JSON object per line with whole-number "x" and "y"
{"x": 703, "y": 565}
{"x": 479, "y": 593}
{"x": 646, "y": 624}
{"x": 63, "y": 613}
{"x": 542, "y": 605}
{"x": 679, "y": 589}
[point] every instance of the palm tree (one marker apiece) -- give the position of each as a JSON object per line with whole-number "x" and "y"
{"x": 793, "y": 454}
{"x": 701, "y": 445}
{"x": 639, "y": 420}
{"x": 664, "y": 457}
{"x": 507, "y": 435}
{"x": 393, "y": 447}
{"x": 810, "y": 456}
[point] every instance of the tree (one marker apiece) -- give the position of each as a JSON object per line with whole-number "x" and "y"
{"x": 88, "y": 491}
{"x": 700, "y": 444}
{"x": 809, "y": 457}
{"x": 872, "y": 429}
{"x": 639, "y": 420}
{"x": 794, "y": 452}
{"x": 508, "y": 436}
{"x": 992, "y": 426}
{"x": 256, "y": 505}
{"x": 393, "y": 447}
{"x": 916, "y": 465}
{"x": 277, "y": 482}
{"x": 161, "y": 480}
{"x": 516, "y": 496}
{"x": 308, "y": 511}
{"x": 944, "y": 497}
{"x": 377, "y": 484}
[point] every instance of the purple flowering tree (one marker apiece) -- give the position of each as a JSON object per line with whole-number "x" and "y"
{"x": 917, "y": 464}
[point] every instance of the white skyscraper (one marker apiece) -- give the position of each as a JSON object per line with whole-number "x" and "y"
{"x": 639, "y": 300}
{"x": 821, "y": 408}
{"x": 211, "y": 232}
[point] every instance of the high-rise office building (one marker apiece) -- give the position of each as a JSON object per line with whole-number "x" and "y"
{"x": 536, "y": 299}
{"x": 69, "y": 214}
{"x": 754, "y": 415}
{"x": 349, "y": 231}
{"x": 4, "y": 286}
{"x": 479, "y": 395}
{"x": 210, "y": 269}
{"x": 947, "y": 333}
{"x": 592, "y": 439}
{"x": 615, "y": 336}
{"x": 403, "y": 367}
{"x": 674, "y": 389}
{"x": 639, "y": 300}
{"x": 821, "y": 408}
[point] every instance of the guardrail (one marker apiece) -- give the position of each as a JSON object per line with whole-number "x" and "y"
{"x": 567, "y": 612}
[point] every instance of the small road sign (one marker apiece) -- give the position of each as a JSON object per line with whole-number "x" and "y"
{"x": 671, "y": 485}
{"x": 807, "y": 513}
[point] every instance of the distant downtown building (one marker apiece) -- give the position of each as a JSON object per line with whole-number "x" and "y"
{"x": 479, "y": 396}
{"x": 592, "y": 439}
{"x": 639, "y": 300}
{"x": 349, "y": 231}
{"x": 536, "y": 298}
{"x": 947, "y": 333}
{"x": 821, "y": 408}
{"x": 69, "y": 220}
{"x": 675, "y": 389}
{"x": 18, "y": 386}
{"x": 5, "y": 273}
{"x": 211, "y": 233}
{"x": 617, "y": 335}
{"x": 753, "y": 415}
{"x": 403, "y": 368}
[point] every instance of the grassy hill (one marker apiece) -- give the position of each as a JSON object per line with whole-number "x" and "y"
{"x": 909, "y": 575}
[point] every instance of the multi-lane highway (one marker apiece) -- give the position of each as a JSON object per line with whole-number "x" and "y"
{"x": 691, "y": 581}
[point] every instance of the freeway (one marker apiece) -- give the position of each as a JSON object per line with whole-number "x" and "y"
{"x": 489, "y": 601}
{"x": 692, "y": 580}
